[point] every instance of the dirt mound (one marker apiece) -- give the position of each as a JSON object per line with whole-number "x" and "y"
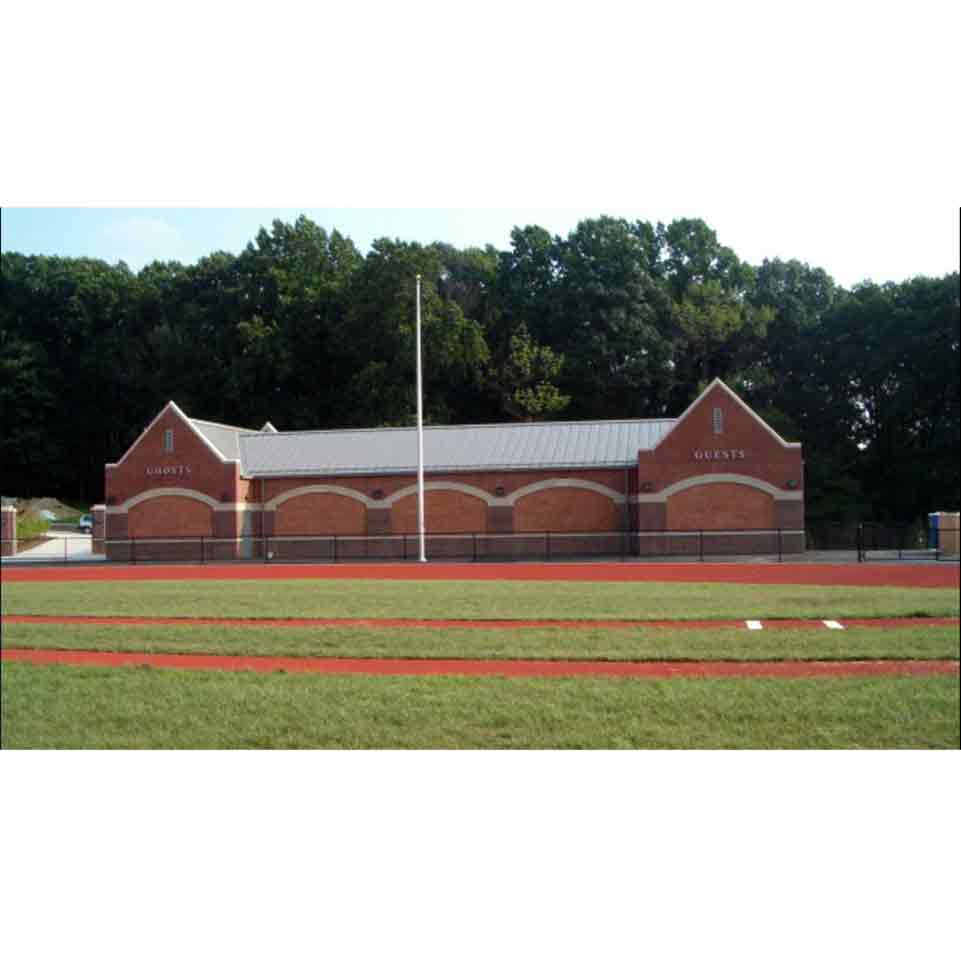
{"x": 34, "y": 507}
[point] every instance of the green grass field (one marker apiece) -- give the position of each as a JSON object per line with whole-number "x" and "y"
{"x": 80, "y": 707}
{"x": 47, "y": 707}
{"x": 471, "y": 600}
{"x": 638, "y": 644}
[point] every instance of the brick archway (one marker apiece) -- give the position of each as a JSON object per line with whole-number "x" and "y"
{"x": 446, "y": 510}
{"x": 566, "y": 509}
{"x": 321, "y": 513}
{"x": 720, "y": 506}
{"x": 169, "y": 515}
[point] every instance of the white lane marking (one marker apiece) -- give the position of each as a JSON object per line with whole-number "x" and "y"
{"x": 753, "y": 624}
{"x": 831, "y": 624}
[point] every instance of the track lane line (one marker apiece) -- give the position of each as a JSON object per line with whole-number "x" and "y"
{"x": 513, "y": 668}
{"x": 940, "y": 575}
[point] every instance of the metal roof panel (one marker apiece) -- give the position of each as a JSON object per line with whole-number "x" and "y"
{"x": 446, "y": 448}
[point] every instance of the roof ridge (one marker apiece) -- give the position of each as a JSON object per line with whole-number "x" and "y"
{"x": 294, "y": 433}
{"x": 221, "y": 425}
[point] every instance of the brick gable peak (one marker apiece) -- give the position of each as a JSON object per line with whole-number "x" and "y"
{"x": 718, "y": 385}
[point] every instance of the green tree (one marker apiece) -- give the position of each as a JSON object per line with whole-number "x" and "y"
{"x": 524, "y": 379}
{"x": 611, "y": 321}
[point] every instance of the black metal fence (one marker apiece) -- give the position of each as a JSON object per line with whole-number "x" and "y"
{"x": 876, "y": 541}
{"x": 893, "y": 542}
{"x": 547, "y": 546}
{"x": 847, "y": 541}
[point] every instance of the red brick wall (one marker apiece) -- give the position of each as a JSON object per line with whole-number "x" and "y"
{"x": 207, "y": 474}
{"x": 487, "y": 482}
{"x": 170, "y": 516}
{"x": 566, "y": 510}
{"x": 444, "y": 510}
{"x": 321, "y": 513}
{"x": 99, "y": 517}
{"x": 723, "y": 505}
{"x": 752, "y": 451}
{"x": 8, "y": 530}
{"x": 764, "y": 457}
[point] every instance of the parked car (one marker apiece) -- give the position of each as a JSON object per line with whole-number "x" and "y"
{"x": 85, "y": 524}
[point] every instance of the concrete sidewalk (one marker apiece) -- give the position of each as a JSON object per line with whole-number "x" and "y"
{"x": 58, "y": 547}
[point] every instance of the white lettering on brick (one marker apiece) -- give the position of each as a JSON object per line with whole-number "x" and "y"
{"x": 726, "y": 455}
{"x": 168, "y": 471}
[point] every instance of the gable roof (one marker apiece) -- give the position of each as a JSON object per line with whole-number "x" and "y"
{"x": 501, "y": 447}
{"x": 225, "y": 439}
{"x": 450, "y": 448}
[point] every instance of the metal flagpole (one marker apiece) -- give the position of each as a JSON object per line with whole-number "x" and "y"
{"x": 420, "y": 438}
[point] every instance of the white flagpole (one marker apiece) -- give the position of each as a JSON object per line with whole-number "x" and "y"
{"x": 420, "y": 438}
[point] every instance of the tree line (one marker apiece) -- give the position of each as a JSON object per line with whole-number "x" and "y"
{"x": 617, "y": 320}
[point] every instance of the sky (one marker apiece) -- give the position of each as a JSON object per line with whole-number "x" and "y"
{"x": 887, "y": 244}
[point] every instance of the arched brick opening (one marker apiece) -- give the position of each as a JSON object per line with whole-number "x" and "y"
{"x": 446, "y": 511}
{"x": 169, "y": 516}
{"x": 566, "y": 509}
{"x": 718, "y": 506}
{"x": 321, "y": 513}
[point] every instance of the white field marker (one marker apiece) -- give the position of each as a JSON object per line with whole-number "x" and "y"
{"x": 831, "y": 624}
{"x": 753, "y": 624}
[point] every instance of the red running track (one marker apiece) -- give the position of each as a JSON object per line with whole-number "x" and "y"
{"x": 936, "y": 576}
{"x": 517, "y": 668}
{"x": 464, "y": 623}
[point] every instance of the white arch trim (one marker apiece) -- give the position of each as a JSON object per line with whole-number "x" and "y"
{"x": 721, "y": 477}
{"x": 439, "y": 486}
{"x": 544, "y": 484}
{"x": 164, "y": 493}
{"x": 330, "y": 490}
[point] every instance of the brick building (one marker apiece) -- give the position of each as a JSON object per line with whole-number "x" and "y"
{"x": 595, "y": 487}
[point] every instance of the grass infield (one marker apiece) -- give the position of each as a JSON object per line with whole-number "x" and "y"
{"x": 80, "y": 707}
{"x": 638, "y": 644}
{"x": 46, "y": 707}
{"x": 472, "y": 600}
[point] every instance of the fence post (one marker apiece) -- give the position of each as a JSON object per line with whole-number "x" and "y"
{"x": 133, "y": 551}
{"x": 335, "y": 548}
{"x": 474, "y": 544}
{"x": 547, "y": 544}
{"x": 860, "y": 541}
{"x": 203, "y": 551}
{"x": 65, "y": 540}
{"x": 780, "y": 546}
{"x": 700, "y": 545}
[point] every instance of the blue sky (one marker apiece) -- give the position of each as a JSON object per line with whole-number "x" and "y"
{"x": 139, "y": 236}
{"x": 859, "y": 245}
